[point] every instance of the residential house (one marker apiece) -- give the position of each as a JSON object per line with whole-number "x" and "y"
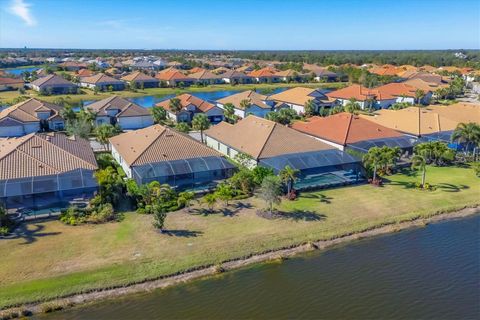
{"x": 205, "y": 77}
{"x": 415, "y": 122}
{"x": 102, "y": 82}
{"x": 235, "y": 77}
{"x": 174, "y": 78}
{"x": 72, "y": 65}
{"x": 264, "y": 75}
{"x": 85, "y": 73}
{"x": 8, "y": 84}
{"x": 162, "y": 154}
{"x": 272, "y": 145}
{"x": 320, "y": 74}
{"x": 403, "y": 93}
{"x": 41, "y": 170}
{"x": 190, "y": 106}
{"x": 296, "y": 99}
{"x": 345, "y": 130}
{"x": 141, "y": 80}
{"x": 385, "y": 70}
{"x": 117, "y": 110}
{"x": 365, "y": 97}
{"x": 29, "y": 116}
{"x": 248, "y": 102}
{"x": 461, "y": 112}
{"x": 144, "y": 65}
{"x": 54, "y": 84}
{"x": 290, "y": 75}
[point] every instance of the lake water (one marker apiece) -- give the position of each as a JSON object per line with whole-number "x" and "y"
{"x": 19, "y": 70}
{"x": 150, "y": 101}
{"x": 427, "y": 273}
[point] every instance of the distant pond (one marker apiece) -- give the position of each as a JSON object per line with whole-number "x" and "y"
{"x": 18, "y": 71}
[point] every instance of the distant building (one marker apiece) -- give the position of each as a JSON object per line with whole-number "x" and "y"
{"x": 140, "y": 79}
{"x": 54, "y": 84}
{"x": 248, "y": 102}
{"x": 102, "y": 82}
{"x": 296, "y": 99}
{"x": 190, "y": 106}
{"x": 7, "y": 84}
{"x": 117, "y": 110}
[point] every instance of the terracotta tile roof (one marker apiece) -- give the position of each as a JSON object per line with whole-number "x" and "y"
{"x": 385, "y": 70}
{"x": 298, "y": 95}
{"x": 100, "y": 78}
{"x": 186, "y": 100}
{"x": 459, "y": 112}
{"x": 344, "y": 128}
{"x": 167, "y": 75}
{"x": 10, "y": 81}
{"x": 85, "y": 73}
{"x": 39, "y": 154}
{"x": 196, "y": 69}
{"x": 261, "y": 138}
{"x": 265, "y": 72}
{"x": 51, "y": 80}
{"x": 288, "y": 73}
{"x": 361, "y": 93}
{"x": 138, "y": 76}
{"x": 26, "y": 111}
{"x": 249, "y": 95}
{"x": 407, "y": 121}
{"x": 156, "y": 144}
{"x": 396, "y": 89}
{"x": 126, "y": 107}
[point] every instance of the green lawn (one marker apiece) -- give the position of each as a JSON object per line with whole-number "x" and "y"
{"x": 56, "y": 260}
{"x": 87, "y": 94}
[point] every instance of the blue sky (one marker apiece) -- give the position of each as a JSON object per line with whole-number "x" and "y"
{"x": 241, "y": 24}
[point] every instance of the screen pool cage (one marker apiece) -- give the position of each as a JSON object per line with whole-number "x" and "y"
{"x": 44, "y": 190}
{"x": 194, "y": 173}
{"x": 318, "y": 169}
{"x": 404, "y": 143}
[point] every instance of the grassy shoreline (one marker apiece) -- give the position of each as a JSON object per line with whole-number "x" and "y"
{"x": 97, "y": 257}
{"x": 88, "y": 94}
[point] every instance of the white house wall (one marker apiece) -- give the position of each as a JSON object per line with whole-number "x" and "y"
{"x": 121, "y": 162}
{"x": 135, "y": 122}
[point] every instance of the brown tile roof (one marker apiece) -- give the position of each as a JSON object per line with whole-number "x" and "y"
{"x": 422, "y": 85}
{"x": 44, "y": 154}
{"x": 25, "y": 111}
{"x": 355, "y": 91}
{"x": 187, "y": 99}
{"x": 233, "y": 74}
{"x": 10, "y": 81}
{"x": 196, "y": 69}
{"x": 288, "y": 73}
{"x": 407, "y": 121}
{"x": 204, "y": 75}
{"x": 100, "y": 78}
{"x": 428, "y": 77}
{"x": 51, "y": 80}
{"x": 344, "y": 128}
{"x": 156, "y": 144}
{"x": 126, "y": 107}
{"x": 385, "y": 70}
{"x": 261, "y": 138}
{"x": 459, "y": 112}
{"x": 249, "y": 95}
{"x": 138, "y": 76}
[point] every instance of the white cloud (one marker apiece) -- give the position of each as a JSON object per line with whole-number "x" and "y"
{"x": 22, "y": 10}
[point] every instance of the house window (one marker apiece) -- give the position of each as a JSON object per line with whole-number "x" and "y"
{"x": 228, "y": 151}
{"x": 218, "y": 145}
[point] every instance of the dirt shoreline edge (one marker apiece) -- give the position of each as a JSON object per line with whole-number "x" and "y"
{"x": 204, "y": 271}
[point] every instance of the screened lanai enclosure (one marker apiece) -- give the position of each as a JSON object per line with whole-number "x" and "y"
{"x": 319, "y": 169}
{"x": 405, "y": 143}
{"x": 48, "y": 191}
{"x": 196, "y": 174}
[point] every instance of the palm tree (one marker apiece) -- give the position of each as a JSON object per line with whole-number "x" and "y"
{"x": 175, "y": 105}
{"x": 105, "y": 132}
{"x": 468, "y": 133}
{"x": 159, "y": 114}
{"x": 309, "y": 108}
{"x": 200, "y": 122}
{"x": 419, "y": 161}
{"x": 419, "y": 95}
{"x": 352, "y": 106}
{"x": 245, "y": 104}
{"x": 375, "y": 158}
{"x": 210, "y": 200}
{"x": 229, "y": 112}
{"x": 288, "y": 175}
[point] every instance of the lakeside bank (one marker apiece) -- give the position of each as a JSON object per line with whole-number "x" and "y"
{"x": 88, "y": 95}
{"x": 202, "y": 272}
{"x": 116, "y": 255}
